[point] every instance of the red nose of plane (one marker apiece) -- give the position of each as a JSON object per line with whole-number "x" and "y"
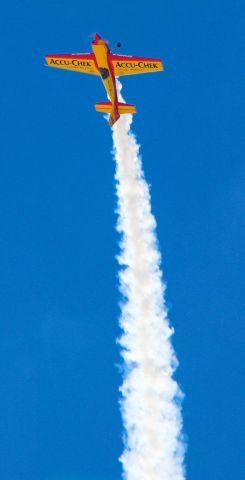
{"x": 97, "y": 38}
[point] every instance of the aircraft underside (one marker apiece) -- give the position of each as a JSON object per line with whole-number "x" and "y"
{"x": 108, "y": 65}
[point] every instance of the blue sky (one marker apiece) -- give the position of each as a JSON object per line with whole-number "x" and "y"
{"x": 59, "y": 416}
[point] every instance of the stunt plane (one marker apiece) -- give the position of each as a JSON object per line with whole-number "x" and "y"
{"x": 109, "y": 66}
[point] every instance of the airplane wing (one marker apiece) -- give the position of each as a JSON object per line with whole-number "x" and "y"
{"x": 80, "y": 62}
{"x": 127, "y": 65}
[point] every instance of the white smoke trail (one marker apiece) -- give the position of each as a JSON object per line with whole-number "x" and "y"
{"x": 150, "y": 396}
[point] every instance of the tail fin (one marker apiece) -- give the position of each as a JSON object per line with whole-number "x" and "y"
{"x": 107, "y": 107}
{"x": 113, "y": 119}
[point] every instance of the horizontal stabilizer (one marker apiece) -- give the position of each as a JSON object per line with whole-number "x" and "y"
{"x": 107, "y": 107}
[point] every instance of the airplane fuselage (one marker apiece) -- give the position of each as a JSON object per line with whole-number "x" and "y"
{"x": 101, "y": 52}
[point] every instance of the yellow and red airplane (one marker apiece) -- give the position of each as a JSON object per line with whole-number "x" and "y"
{"x": 109, "y": 66}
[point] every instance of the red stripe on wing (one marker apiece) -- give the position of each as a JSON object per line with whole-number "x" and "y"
{"x": 129, "y": 57}
{"x": 83, "y": 56}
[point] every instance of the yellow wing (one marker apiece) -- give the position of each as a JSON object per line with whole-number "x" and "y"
{"x": 126, "y": 65}
{"x": 84, "y": 62}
